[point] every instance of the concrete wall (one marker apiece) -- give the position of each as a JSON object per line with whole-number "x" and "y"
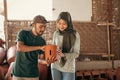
{"x": 81, "y": 10}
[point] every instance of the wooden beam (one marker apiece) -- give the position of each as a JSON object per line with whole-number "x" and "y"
{"x": 5, "y": 10}
{"x": 5, "y": 24}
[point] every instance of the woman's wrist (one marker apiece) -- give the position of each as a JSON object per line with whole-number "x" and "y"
{"x": 63, "y": 55}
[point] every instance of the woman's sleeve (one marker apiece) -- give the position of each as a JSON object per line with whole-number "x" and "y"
{"x": 77, "y": 44}
{"x": 54, "y": 35}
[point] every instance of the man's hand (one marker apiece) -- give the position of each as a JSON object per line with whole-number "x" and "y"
{"x": 41, "y": 48}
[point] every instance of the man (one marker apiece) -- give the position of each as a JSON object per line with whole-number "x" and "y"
{"x": 29, "y": 45}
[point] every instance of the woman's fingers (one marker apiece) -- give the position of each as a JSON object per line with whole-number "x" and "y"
{"x": 51, "y": 59}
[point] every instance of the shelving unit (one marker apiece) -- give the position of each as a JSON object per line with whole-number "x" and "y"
{"x": 107, "y": 24}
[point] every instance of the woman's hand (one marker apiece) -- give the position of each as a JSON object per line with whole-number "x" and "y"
{"x": 59, "y": 52}
{"x": 51, "y": 59}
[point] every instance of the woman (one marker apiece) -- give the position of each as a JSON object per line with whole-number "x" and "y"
{"x": 68, "y": 41}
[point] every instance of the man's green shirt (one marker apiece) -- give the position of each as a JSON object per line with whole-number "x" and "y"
{"x": 26, "y": 63}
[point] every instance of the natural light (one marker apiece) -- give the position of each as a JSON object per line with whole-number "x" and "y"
{"x": 27, "y": 9}
{"x": 24, "y": 10}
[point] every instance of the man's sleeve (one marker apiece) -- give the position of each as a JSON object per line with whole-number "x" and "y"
{"x": 21, "y": 36}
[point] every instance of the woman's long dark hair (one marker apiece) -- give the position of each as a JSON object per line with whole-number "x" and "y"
{"x": 68, "y": 34}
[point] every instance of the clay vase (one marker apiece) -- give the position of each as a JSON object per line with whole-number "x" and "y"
{"x": 43, "y": 70}
{"x": 118, "y": 73}
{"x": 1, "y": 74}
{"x": 2, "y": 55}
{"x": 50, "y": 51}
{"x": 8, "y": 74}
{"x": 11, "y": 53}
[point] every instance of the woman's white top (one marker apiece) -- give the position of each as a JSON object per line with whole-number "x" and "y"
{"x": 74, "y": 53}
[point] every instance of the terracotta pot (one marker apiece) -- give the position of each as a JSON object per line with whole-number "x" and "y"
{"x": 4, "y": 68}
{"x": 1, "y": 74}
{"x": 43, "y": 70}
{"x": 2, "y": 42}
{"x": 11, "y": 53}
{"x": 8, "y": 74}
{"x": 2, "y": 55}
{"x": 50, "y": 51}
{"x": 118, "y": 73}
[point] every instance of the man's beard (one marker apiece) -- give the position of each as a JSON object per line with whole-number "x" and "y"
{"x": 40, "y": 33}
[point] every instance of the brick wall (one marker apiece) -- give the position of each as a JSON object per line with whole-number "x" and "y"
{"x": 93, "y": 37}
{"x": 14, "y": 26}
